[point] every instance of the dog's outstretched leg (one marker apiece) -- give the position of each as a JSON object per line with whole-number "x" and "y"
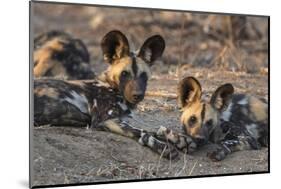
{"x": 229, "y": 146}
{"x": 145, "y": 138}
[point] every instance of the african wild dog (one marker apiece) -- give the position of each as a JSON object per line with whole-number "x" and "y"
{"x": 57, "y": 54}
{"x": 104, "y": 104}
{"x": 233, "y": 121}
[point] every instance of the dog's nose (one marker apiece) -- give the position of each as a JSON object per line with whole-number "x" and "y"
{"x": 200, "y": 141}
{"x": 138, "y": 96}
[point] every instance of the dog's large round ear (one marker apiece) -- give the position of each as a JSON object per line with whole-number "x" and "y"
{"x": 114, "y": 46}
{"x": 152, "y": 49}
{"x": 222, "y": 97}
{"x": 189, "y": 91}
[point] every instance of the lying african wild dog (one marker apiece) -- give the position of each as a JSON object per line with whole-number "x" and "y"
{"x": 233, "y": 121}
{"x": 57, "y": 54}
{"x": 104, "y": 104}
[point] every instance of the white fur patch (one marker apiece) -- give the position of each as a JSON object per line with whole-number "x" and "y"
{"x": 110, "y": 112}
{"x": 78, "y": 100}
{"x": 95, "y": 104}
{"x": 243, "y": 101}
{"x": 161, "y": 131}
{"x": 147, "y": 54}
{"x": 124, "y": 107}
{"x": 140, "y": 139}
{"x": 227, "y": 113}
{"x": 150, "y": 141}
{"x": 252, "y": 129}
{"x": 101, "y": 84}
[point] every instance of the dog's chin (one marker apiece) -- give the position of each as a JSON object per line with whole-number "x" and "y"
{"x": 200, "y": 141}
{"x": 133, "y": 101}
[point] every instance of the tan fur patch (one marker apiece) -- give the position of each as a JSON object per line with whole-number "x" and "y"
{"x": 193, "y": 109}
{"x": 78, "y": 82}
{"x": 55, "y": 44}
{"x": 115, "y": 128}
{"x": 258, "y": 109}
{"x": 50, "y": 92}
{"x": 42, "y": 58}
{"x": 42, "y": 68}
{"x": 211, "y": 113}
{"x": 143, "y": 67}
{"x": 58, "y": 69}
{"x": 125, "y": 64}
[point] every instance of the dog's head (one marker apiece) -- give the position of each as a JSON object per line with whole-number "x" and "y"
{"x": 200, "y": 118}
{"x": 58, "y": 54}
{"x": 128, "y": 71}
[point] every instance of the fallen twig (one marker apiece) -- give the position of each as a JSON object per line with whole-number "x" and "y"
{"x": 184, "y": 165}
{"x": 160, "y": 94}
{"x": 191, "y": 171}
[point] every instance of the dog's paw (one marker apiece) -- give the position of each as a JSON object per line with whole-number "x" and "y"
{"x": 217, "y": 155}
{"x": 165, "y": 149}
{"x": 161, "y": 131}
{"x": 170, "y": 152}
{"x": 191, "y": 147}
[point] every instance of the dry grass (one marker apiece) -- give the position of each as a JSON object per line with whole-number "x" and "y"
{"x": 199, "y": 40}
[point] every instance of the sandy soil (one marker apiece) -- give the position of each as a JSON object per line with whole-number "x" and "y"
{"x": 71, "y": 155}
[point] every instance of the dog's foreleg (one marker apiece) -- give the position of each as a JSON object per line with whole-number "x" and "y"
{"x": 226, "y": 147}
{"x": 143, "y": 137}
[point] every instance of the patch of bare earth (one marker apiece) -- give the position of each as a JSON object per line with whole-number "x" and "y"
{"x": 79, "y": 155}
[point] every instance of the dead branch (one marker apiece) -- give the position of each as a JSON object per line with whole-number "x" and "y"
{"x": 160, "y": 94}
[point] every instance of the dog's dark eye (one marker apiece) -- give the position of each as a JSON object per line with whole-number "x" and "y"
{"x": 125, "y": 74}
{"x": 209, "y": 123}
{"x": 59, "y": 55}
{"x": 192, "y": 120}
{"x": 143, "y": 76}
{"x": 55, "y": 55}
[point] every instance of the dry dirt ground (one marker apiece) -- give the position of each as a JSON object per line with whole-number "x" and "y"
{"x": 62, "y": 155}
{"x": 70, "y": 155}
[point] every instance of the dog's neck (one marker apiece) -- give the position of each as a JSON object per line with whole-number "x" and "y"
{"x": 104, "y": 78}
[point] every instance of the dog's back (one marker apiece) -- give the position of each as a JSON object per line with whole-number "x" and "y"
{"x": 57, "y": 54}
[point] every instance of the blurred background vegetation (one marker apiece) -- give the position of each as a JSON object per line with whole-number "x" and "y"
{"x": 213, "y": 41}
